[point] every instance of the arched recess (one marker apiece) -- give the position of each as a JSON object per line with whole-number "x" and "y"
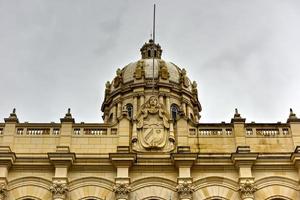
{"x": 277, "y": 187}
{"x": 278, "y": 197}
{"x": 153, "y": 188}
{"x": 216, "y": 198}
{"x": 219, "y": 188}
{"x": 91, "y": 198}
{"x": 153, "y": 198}
{"x": 28, "y": 198}
{"x": 35, "y": 188}
{"x": 91, "y": 188}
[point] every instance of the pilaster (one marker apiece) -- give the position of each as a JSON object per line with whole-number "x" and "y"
{"x": 184, "y": 160}
{"x": 62, "y": 159}
{"x": 295, "y": 158}
{"x": 122, "y": 160}
{"x": 66, "y": 129}
{"x": 10, "y": 129}
{"x": 294, "y": 123}
{"x": 7, "y": 158}
{"x": 243, "y": 160}
{"x": 239, "y": 129}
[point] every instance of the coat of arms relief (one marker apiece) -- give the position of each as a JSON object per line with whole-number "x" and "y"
{"x": 152, "y": 128}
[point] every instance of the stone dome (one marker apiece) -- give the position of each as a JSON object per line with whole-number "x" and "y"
{"x": 151, "y": 67}
{"x": 133, "y": 86}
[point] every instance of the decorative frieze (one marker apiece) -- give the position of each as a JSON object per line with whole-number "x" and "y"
{"x": 185, "y": 190}
{"x": 247, "y": 189}
{"x": 59, "y": 191}
{"x": 122, "y": 191}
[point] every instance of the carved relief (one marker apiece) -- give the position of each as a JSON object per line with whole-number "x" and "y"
{"x": 247, "y": 189}
{"x": 59, "y": 190}
{"x": 183, "y": 79}
{"x": 163, "y": 70}
{"x": 118, "y": 79}
{"x": 139, "y": 70}
{"x": 122, "y": 190}
{"x": 3, "y": 191}
{"x": 185, "y": 190}
{"x": 152, "y": 128}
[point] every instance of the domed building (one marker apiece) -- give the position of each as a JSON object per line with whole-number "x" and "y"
{"x": 151, "y": 146}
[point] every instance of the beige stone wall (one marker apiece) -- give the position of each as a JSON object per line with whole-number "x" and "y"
{"x": 214, "y": 158}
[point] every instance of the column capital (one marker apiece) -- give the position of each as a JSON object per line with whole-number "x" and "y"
{"x": 247, "y": 188}
{"x": 59, "y": 190}
{"x": 122, "y": 191}
{"x": 185, "y": 189}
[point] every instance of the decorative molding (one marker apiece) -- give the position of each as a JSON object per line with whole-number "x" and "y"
{"x": 185, "y": 190}
{"x": 59, "y": 190}
{"x": 247, "y": 189}
{"x": 122, "y": 190}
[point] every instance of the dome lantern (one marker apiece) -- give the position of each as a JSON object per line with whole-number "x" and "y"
{"x": 150, "y": 50}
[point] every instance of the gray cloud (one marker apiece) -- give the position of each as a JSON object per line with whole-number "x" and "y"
{"x": 59, "y": 54}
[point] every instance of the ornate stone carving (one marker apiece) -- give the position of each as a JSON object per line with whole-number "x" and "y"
{"x": 3, "y": 191}
{"x": 185, "y": 190}
{"x": 194, "y": 88}
{"x": 139, "y": 70}
{"x": 152, "y": 130}
{"x": 247, "y": 189}
{"x": 122, "y": 190}
{"x": 163, "y": 70}
{"x": 107, "y": 88}
{"x": 118, "y": 80}
{"x": 183, "y": 79}
{"x": 59, "y": 190}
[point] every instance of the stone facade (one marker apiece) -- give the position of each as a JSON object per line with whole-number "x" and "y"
{"x": 151, "y": 146}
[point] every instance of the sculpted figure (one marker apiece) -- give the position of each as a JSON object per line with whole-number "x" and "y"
{"x": 139, "y": 70}
{"x": 118, "y": 79}
{"x": 107, "y": 88}
{"x": 183, "y": 79}
{"x": 163, "y": 70}
{"x": 152, "y": 106}
{"x": 194, "y": 88}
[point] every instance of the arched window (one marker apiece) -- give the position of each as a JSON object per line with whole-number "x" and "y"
{"x": 174, "y": 111}
{"x": 129, "y": 109}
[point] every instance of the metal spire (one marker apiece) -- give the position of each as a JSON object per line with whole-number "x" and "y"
{"x": 153, "y": 47}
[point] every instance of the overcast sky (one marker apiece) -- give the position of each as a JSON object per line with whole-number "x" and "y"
{"x": 57, "y": 54}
